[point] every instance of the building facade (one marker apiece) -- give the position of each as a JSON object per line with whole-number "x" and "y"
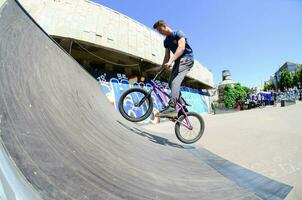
{"x": 112, "y": 47}
{"x": 276, "y": 77}
{"x": 291, "y": 67}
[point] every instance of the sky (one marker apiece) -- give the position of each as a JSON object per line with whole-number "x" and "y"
{"x": 251, "y": 38}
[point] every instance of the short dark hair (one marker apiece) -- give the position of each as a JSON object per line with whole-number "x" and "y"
{"x": 159, "y": 23}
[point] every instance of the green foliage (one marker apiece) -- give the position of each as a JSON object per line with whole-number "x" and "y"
{"x": 296, "y": 77}
{"x": 269, "y": 86}
{"x": 286, "y": 80}
{"x": 300, "y": 75}
{"x": 229, "y": 95}
{"x": 240, "y": 93}
{"x": 233, "y": 94}
{"x": 247, "y": 90}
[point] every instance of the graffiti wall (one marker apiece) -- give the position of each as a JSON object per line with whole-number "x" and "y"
{"x": 113, "y": 85}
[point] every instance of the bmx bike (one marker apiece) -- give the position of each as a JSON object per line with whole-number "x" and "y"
{"x": 189, "y": 126}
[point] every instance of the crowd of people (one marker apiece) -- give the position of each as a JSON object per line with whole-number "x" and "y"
{"x": 263, "y": 98}
{"x": 289, "y": 94}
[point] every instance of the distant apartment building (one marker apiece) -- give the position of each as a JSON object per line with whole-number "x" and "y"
{"x": 276, "y": 77}
{"x": 291, "y": 67}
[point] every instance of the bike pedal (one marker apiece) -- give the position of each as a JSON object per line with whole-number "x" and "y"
{"x": 173, "y": 119}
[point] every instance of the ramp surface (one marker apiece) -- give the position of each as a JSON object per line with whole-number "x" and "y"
{"x": 69, "y": 143}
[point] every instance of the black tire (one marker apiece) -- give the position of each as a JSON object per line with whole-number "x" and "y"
{"x": 178, "y": 126}
{"x": 148, "y": 103}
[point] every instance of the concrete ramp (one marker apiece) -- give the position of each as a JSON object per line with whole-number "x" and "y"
{"x": 63, "y": 140}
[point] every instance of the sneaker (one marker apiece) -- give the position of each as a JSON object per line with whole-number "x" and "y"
{"x": 168, "y": 112}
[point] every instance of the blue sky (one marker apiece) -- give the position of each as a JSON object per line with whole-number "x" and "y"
{"x": 251, "y": 38}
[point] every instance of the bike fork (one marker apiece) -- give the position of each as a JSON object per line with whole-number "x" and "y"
{"x": 187, "y": 122}
{"x": 143, "y": 99}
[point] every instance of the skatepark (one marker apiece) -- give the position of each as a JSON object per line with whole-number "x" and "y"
{"x": 62, "y": 139}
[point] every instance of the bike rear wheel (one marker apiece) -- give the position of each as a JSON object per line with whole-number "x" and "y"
{"x": 183, "y": 133}
{"x": 129, "y": 108}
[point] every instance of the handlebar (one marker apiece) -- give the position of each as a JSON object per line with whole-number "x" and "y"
{"x": 159, "y": 73}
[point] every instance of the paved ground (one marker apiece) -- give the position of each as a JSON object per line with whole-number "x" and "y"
{"x": 268, "y": 141}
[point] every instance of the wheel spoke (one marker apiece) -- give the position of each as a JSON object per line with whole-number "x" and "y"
{"x": 129, "y": 102}
{"x": 190, "y": 135}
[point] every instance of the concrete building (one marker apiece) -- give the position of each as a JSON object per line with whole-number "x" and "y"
{"x": 111, "y": 46}
{"x": 107, "y": 34}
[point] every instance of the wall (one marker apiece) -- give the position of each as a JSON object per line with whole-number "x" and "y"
{"x": 93, "y": 23}
{"x": 114, "y": 84}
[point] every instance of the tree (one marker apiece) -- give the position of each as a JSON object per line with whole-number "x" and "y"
{"x": 286, "y": 79}
{"x": 247, "y": 90}
{"x": 296, "y": 77}
{"x": 233, "y": 94}
{"x": 229, "y": 94}
{"x": 240, "y": 94}
{"x": 299, "y": 75}
{"x": 269, "y": 86}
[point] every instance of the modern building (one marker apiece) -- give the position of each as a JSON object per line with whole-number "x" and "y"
{"x": 276, "y": 77}
{"x": 291, "y": 67}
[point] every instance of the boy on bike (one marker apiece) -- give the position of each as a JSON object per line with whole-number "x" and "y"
{"x": 176, "y": 42}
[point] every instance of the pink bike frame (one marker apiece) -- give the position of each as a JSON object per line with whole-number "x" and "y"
{"x": 179, "y": 107}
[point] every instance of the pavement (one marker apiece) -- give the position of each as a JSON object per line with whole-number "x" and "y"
{"x": 267, "y": 141}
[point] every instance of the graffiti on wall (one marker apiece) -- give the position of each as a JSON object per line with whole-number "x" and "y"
{"x": 114, "y": 85}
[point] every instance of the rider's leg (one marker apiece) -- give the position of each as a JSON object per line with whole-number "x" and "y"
{"x": 179, "y": 71}
{"x": 175, "y": 85}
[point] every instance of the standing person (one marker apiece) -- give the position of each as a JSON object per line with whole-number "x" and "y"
{"x": 176, "y": 42}
{"x": 259, "y": 99}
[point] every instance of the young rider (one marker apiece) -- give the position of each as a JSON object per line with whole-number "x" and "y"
{"x": 176, "y": 42}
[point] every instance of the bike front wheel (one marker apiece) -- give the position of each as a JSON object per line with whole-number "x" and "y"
{"x": 187, "y": 134}
{"x": 135, "y": 105}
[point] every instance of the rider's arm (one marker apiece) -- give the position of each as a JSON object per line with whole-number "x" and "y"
{"x": 180, "y": 49}
{"x": 167, "y": 56}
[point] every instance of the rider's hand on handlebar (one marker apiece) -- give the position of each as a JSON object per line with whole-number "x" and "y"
{"x": 167, "y": 65}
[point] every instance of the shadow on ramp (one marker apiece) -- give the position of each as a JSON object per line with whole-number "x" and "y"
{"x": 155, "y": 138}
